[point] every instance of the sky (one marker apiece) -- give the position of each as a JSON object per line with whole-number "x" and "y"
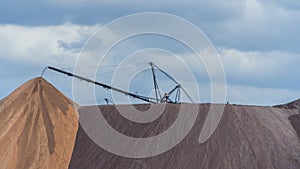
{"x": 257, "y": 41}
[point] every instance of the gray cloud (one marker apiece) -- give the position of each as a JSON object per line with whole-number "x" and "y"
{"x": 287, "y": 4}
{"x": 261, "y": 27}
{"x": 244, "y": 24}
{"x": 270, "y": 69}
{"x": 258, "y": 40}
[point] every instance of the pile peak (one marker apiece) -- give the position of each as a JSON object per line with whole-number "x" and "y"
{"x": 291, "y": 105}
{"x": 38, "y": 127}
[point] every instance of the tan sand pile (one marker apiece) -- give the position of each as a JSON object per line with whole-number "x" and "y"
{"x": 38, "y": 126}
{"x": 248, "y": 137}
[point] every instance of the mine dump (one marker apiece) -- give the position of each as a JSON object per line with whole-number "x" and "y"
{"x": 42, "y": 128}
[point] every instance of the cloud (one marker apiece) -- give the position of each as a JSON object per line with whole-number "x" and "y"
{"x": 287, "y": 4}
{"x": 273, "y": 69}
{"x": 58, "y": 11}
{"x": 253, "y": 76}
{"x": 260, "y": 96}
{"x": 261, "y": 26}
{"x": 245, "y": 24}
{"x": 26, "y": 50}
{"x": 42, "y": 45}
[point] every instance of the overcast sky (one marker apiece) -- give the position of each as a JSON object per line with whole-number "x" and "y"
{"x": 258, "y": 41}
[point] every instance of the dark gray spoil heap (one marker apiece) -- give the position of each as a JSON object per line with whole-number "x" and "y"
{"x": 248, "y": 137}
{"x": 292, "y": 105}
{"x": 295, "y": 118}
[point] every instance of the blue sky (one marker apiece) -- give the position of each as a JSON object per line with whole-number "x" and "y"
{"x": 258, "y": 41}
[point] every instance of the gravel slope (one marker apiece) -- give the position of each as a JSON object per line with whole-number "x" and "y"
{"x": 248, "y": 137}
